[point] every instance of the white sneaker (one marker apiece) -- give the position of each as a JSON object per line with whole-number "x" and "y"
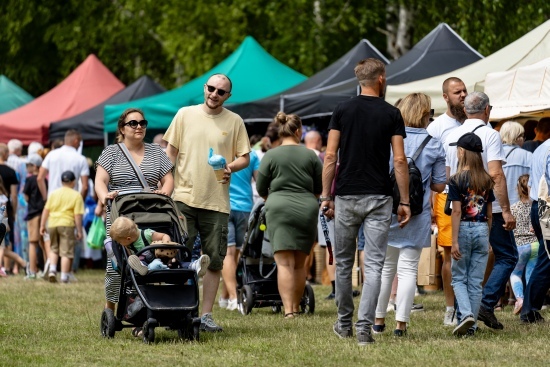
{"x": 136, "y": 264}
{"x": 232, "y": 304}
{"x": 72, "y": 278}
{"x": 450, "y": 318}
{"x": 201, "y": 265}
{"x": 223, "y": 302}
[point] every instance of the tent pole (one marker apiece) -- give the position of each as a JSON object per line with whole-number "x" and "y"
{"x": 105, "y": 139}
{"x": 282, "y": 103}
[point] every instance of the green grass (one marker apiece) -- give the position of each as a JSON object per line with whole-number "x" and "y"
{"x": 43, "y": 324}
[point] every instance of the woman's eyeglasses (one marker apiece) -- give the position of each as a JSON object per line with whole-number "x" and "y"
{"x": 134, "y": 124}
{"x": 220, "y": 92}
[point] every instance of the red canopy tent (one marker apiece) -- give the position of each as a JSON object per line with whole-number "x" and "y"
{"x": 88, "y": 85}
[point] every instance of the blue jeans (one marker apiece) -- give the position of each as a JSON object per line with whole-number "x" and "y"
{"x": 528, "y": 254}
{"x": 374, "y": 211}
{"x": 238, "y": 223}
{"x": 468, "y": 272}
{"x": 506, "y": 258}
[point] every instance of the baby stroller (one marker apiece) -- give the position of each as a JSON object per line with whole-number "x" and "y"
{"x": 169, "y": 298}
{"x": 257, "y": 271}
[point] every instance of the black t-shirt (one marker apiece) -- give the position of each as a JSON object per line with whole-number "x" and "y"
{"x": 474, "y": 206}
{"x": 366, "y": 126}
{"x": 10, "y": 178}
{"x": 36, "y": 202}
{"x": 532, "y": 145}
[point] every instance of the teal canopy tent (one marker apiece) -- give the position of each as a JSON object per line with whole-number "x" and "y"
{"x": 12, "y": 96}
{"x": 254, "y": 72}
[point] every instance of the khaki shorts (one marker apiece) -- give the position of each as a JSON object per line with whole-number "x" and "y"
{"x": 62, "y": 241}
{"x": 443, "y": 221}
{"x": 213, "y": 230}
{"x": 33, "y": 227}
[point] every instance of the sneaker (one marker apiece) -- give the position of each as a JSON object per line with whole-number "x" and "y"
{"x": 489, "y": 319}
{"x": 416, "y": 307}
{"x": 201, "y": 265}
{"x": 30, "y": 276}
{"x": 232, "y": 304}
{"x": 399, "y": 332}
{"x": 136, "y": 264}
{"x": 462, "y": 328}
{"x": 223, "y": 302}
{"x": 450, "y": 318}
{"x": 471, "y": 331}
{"x": 391, "y": 306}
{"x": 532, "y": 318}
{"x": 208, "y": 324}
{"x": 378, "y": 329}
{"x": 3, "y": 272}
{"x": 364, "y": 337}
{"x": 518, "y": 306}
{"x": 331, "y": 296}
{"x": 342, "y": 333}
{"x": 52, "y": 277}
{"x": 72, "y": 278}
{"x": 46, "y": 271}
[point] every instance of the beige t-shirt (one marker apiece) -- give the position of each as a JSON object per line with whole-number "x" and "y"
{"x": 193, "y": 132}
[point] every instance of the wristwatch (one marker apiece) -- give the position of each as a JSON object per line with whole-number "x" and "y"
{"x": 325, "y": 198}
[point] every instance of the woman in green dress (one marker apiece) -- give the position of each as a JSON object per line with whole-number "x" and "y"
{"x": 289, "y": 179}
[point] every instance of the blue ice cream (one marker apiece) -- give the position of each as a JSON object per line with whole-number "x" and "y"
{"x": 215, "y": 160}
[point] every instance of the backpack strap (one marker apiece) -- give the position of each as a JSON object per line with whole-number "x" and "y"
{"x": 511, "y": 150}
{"x": 145, "y": 242}
{"x": 419, "y": 150}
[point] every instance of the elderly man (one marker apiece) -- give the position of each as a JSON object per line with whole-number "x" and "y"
{"x": 454, "y": 92}
{"x": 202, "y": 200}
{"x": 362, "y": 131}
{"x": 477, "y": 108}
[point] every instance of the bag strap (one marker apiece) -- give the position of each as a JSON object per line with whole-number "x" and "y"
{"x": 478, "y": 127}
{"x": 137, "y": 170}
{"x": 419, "y": 150}
{"x": 511, "y": 150}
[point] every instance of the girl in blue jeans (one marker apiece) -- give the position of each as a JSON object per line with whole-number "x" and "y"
{"x": 471, "y": 193}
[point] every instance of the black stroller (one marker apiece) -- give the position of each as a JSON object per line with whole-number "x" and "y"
{"x": 169, "y": 298}
{"x": 257, "y": 271}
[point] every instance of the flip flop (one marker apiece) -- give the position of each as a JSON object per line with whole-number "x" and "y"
{"x": 137, "y": 332}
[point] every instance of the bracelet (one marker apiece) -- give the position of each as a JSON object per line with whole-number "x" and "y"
{"x": 404, "y": 204}
{"x": 325, "y": 198}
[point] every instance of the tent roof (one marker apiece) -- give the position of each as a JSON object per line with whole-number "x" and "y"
{"x": 337, "y": 72}
{"x": 254, "y": 72}
{"x": 441, "y": 51}
{"x": 524, "y": 91}
{"x": 89, "y": 84}
{"x": 90, "y": 122}
{"x": 12, "y": 95}
{"x": 532, "y": 47}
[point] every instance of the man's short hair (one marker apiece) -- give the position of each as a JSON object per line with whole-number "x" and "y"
{"x": 476, "y": 102}
{"x": 368, "y": 70}
{"x": 543, "y": 126}
{"x": 15, "y": 144}
{"x": 72, "y": 134}
{"x": 448, "y": 81}
{"x": 225, "y": 77}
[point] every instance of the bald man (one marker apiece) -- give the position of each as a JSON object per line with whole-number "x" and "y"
{"x": 314, "y": 141}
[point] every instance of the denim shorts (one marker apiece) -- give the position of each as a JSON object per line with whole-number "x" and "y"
{"x": 238, "y": 224}
{"x": 360, "y": 239}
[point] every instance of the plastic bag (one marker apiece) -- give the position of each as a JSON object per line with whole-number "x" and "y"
{"x": 96, "y": 234}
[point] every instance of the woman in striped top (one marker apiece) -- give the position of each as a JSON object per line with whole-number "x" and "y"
{"x": 115, "y": 173}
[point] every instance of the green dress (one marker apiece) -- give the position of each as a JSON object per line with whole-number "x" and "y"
{"x": 291, "y": 177}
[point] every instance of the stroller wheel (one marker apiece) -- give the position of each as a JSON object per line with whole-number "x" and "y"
{"x": 246, "y": 299}
{"x": 107, "y": 323}
{"x": 308, "y": 300}
{"x": 276, "y": 309}
{"x": 148, "y": 333}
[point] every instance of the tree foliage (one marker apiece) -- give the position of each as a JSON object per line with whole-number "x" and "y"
{"x": 173, "y": 41}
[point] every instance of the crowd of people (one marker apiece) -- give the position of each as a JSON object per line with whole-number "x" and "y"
{"x": 480, "y": 188}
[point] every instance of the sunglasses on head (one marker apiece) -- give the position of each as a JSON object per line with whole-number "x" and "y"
{"x": 134, "y": 124}
{"x": 220, "y": 92}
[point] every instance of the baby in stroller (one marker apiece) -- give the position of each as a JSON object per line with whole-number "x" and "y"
{"x": 124, "y": 231}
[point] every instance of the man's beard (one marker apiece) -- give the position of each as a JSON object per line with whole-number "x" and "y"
{"x": 458, "y": 112}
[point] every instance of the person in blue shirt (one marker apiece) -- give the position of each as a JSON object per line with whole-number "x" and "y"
{"x": 241, "y": 199}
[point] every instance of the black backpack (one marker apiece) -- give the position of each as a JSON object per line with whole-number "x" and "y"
{"x": 416, "y": 188}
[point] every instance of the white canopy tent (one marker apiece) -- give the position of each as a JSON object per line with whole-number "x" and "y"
{"x": 527, "y": 50}
{"x": 520, "y": 92}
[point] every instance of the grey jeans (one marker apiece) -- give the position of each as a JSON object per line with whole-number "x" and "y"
{"x": 374, "y": 211}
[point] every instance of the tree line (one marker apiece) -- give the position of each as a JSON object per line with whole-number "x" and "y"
{"x": 174, "y": 41}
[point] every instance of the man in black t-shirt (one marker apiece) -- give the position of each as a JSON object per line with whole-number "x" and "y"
{"x": 9, "y": 177}
{"x": 362, "y": 131}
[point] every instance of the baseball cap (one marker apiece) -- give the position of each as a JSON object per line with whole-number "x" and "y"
{"x": 469, "y": 141}
{"x": 68, "y": 176}
{"x": 34, "y": 159}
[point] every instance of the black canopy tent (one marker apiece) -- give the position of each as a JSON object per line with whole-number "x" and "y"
{"x": 90, "y": 122}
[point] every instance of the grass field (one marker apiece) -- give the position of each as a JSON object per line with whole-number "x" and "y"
{"x": 43, "y": 324}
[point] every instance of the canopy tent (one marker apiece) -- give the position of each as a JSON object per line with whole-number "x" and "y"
{"x": 531, "y": 48}
{"x": 90, "y": 122}
{"x": 89, "y": 84}
{"x": 524, "y": 91}
{"x": 12, "y": 96}
{"x": 254, "y": 72}
{"x": 440, "y": 51}
{"x": 339, "y": 71}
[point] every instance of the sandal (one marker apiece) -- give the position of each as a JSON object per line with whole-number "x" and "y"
{"x": 289, "y": 315}
{"x": 137, "y": 332}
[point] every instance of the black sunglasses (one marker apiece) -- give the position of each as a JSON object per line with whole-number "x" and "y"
{"x": 220, "y": 92}
{"x": 134, "y": 124}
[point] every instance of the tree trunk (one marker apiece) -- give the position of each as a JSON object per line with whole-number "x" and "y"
{"x": 398, "y": 31}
